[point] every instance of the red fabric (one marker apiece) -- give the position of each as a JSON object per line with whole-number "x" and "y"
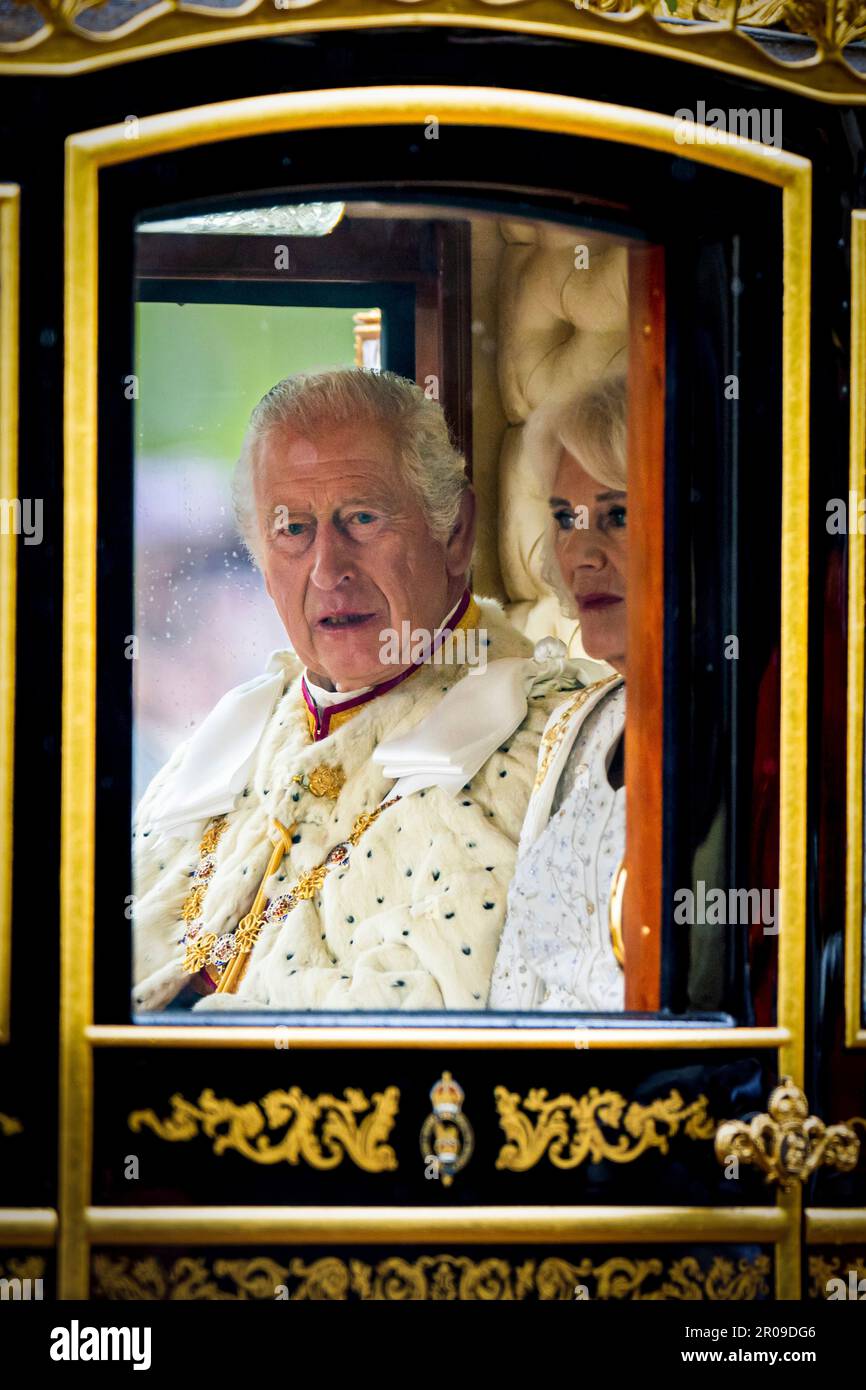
{"x": 764, "y": 861}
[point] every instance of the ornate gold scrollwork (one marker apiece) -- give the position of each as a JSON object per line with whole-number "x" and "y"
{"x": 322, "y": 1130}
{"x": 9, "y": 1125}
{"x": 787, "y": 1143}
{"x": 23, "y": 1267}
{"x": 447, "y": 1139}
{"x": 433, "y": 1278}
{"x": 822, "y": 1270}
{"x": 571, "y": 1131}
{"x": 56, "y": 35}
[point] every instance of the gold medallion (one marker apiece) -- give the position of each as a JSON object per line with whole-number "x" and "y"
{"x": 323, "y": 781}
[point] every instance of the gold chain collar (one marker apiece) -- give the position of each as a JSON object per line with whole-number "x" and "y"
{"x": 225, "y": 953}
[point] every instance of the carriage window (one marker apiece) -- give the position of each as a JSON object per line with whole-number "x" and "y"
{"x": 408, "y": 524}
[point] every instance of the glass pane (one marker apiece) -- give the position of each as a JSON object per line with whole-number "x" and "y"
{"x": 388, "y": 459}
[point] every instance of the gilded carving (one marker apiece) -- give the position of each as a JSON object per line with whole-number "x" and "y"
{"x": 62, "y": 40}
{"x": 787, "y": 1143}
{"x": 823, "y": 1268}
{"x": 23, "y": 1267}
{"x": 832, "y": 26}
{"x": 432, "y": 1278}
{"x": 598, "y": 1126}
{"x": 320, "y": 1130}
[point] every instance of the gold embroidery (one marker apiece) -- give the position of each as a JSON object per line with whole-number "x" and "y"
{"x": 338, "y": 718}
{"x": 639, "y": 1127}
{"x": 320, "y": 1130}
{"x": 439, "y": 1277}
{"x": 341, "y": 716}
{"x": 552, "y": 737}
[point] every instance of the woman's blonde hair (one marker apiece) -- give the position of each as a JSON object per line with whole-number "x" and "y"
{"x": 591, "y": 426}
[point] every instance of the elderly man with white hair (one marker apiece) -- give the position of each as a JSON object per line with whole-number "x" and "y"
{"x": 341, "y": 831}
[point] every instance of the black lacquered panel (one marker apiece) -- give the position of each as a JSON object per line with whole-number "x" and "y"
{"x": 343, "y": 1128}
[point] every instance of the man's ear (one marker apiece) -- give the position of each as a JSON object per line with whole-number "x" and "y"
{"x": 458, "y": 551}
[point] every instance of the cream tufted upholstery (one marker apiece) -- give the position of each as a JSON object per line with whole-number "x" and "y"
{"x": 559, "y": 326}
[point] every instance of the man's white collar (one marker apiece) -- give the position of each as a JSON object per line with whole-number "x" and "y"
{"x": 325, "y": 698}
{"x": 445, "y": 749}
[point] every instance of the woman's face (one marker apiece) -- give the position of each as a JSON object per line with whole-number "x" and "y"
{"x": 591, "y": 550}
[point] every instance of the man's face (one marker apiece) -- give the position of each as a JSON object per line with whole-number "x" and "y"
{"x": 346, "y": 551}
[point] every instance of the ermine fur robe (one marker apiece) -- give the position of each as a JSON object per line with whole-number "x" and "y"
{"x": 412, "y": 923}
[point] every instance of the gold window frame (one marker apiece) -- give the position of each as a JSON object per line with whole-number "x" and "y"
{"x": 855, "y": 1024}
{"x": 10, "y": 203}
{"x": 87, "y": 153}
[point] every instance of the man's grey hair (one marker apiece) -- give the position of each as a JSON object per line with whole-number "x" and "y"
{"x": 308, "y": 403}
{"x": 591, "y": 426}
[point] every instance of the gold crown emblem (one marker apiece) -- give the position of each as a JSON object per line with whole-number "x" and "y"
{"x": 446, "y": 1095}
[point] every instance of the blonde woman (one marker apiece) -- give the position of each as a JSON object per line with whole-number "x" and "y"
{"x": 556, "y": 951}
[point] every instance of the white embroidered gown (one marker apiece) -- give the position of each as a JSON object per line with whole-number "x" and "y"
{"x": 555, "y": 952}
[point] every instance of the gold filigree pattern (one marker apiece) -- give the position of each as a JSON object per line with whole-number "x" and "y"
{"x": 9, "y": 1125}
{"x": 832, "y": 26}
{"x": 57, "y": 35}
{"x": 788, "y": 1144}
{"x": 309, "y": 883}
{"x": 823, "y": 1268}
{"x": 23, "y": 1267}
{"x": 598, "y": 1126}
{"x": 320, "y": 1131}
{"x": 432, "y": 1278}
